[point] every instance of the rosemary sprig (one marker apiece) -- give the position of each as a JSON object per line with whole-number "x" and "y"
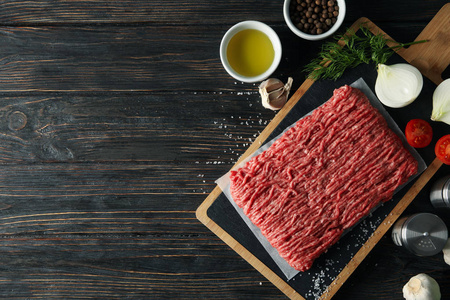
{"x": 334, "y": 59}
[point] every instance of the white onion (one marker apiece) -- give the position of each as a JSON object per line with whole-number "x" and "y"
{"x": 398, "y": 85}
{"x": 441, "y": 102}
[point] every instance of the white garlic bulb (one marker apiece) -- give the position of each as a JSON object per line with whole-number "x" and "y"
{"x": 274, "y": 93}
{"x": 446, "y": 252}
{"x": 422, "y": 287}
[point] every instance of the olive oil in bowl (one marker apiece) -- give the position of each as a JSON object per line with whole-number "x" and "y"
{"x": 250, "y": 52}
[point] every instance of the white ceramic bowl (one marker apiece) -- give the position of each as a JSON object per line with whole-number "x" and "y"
{"x": 314, "y": 37}
{"x": 251, "y": 25}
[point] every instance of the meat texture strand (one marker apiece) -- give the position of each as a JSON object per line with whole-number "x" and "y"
{"x": 322, "y": 176}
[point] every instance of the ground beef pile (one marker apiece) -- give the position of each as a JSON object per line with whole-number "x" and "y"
{"x": 322, "y": 176}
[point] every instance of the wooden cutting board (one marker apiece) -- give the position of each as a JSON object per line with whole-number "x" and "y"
{"x": 431, "y": 58}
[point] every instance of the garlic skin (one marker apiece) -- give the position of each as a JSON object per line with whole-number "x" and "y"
{"x": 446, "y": 252}
{"x": 398, "y": 85}
{"x": 274, "y": 94}
{"x": 422, "y": 287}
{"x": 441, "y": 102}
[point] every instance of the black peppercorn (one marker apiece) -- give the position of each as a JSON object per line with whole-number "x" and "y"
{"x": 314, "y": 16}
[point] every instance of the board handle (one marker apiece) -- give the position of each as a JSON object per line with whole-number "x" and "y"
{"x": 432, "y": 57}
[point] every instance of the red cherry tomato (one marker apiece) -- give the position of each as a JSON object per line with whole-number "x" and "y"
{"x": 442, "y": 149}
{"x": 418, "y": 133}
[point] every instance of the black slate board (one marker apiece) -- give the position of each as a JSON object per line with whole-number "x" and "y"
{"x": 313, "y": 283}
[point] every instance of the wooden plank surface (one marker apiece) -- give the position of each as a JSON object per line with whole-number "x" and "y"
{"x": 117, "y": 117}
{"x": 131, "y": 12}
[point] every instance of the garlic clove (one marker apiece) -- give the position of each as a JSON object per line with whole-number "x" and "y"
{"x": 274, "y": 93}
{"x": 398, "y": 85}
{"x": 271, "y": 84}
{"x": 421, "y": 287}
{"x": 441, "y": 102}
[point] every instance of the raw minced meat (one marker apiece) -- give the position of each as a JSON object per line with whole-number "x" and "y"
{"x": 322, "y": 176}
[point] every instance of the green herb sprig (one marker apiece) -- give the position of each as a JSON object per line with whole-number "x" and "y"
{"x": 334, "y": 59}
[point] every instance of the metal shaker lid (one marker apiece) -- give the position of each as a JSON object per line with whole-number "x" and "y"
{"x": 424, "y": 234}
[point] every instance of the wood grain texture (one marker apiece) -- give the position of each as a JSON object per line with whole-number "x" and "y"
{"x": 187, "y": 12}
{"x": 116, "y": 117}
{"x": 129, "y": 128}
{"x": 429, "y": 63}
{"x": 123, "y": 59}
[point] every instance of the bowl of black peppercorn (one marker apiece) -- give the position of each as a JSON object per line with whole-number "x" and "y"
{"x": 314, "y": 19}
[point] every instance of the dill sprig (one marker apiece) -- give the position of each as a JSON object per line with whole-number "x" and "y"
{"x": 334, "y": 59}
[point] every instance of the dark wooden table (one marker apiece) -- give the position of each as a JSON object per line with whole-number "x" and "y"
{"x": 116, "y": 119}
